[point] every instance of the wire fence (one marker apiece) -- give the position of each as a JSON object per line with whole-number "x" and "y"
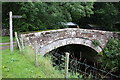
{"x": 78, "y": 68}
{"x": 70, "y": 66}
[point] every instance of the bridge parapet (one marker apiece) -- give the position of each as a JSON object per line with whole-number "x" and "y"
{"x": 47, "y": 37}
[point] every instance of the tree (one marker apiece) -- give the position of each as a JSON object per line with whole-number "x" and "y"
{"x": 111, "y": 55}
{"x": 107, "y": 15}
{"x": 41, "y": 16}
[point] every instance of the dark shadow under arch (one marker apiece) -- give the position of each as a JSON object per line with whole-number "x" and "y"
{"x": 77, "y": 51}
{"x": 67, "y": 41}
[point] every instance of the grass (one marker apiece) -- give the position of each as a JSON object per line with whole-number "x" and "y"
{"x": 0, "y": 65}
{"x": 21, "y": 65}
{"x": 15, "y": 65}
{"x": 4, "y": 45}
{"x": 4, "y": 39}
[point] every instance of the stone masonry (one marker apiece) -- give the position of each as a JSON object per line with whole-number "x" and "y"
{"x": 52, "y": 39}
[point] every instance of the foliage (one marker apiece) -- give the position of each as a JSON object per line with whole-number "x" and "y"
{"x": 21, "y": 65}
{"x": 96, "y": 43}
{"x": 4, "y": 39}
{"x": 111, "y": 55}
{"x": 15, "y": 65}
{"x": 0, "y": 64}
{"x": 41, "y": 16}
{"x": 106, "y": 14}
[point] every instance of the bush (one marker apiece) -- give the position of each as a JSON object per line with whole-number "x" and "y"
{"x": 96, "y": 43}
{"x": 111, "y": 55}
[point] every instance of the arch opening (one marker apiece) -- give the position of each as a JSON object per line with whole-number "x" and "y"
{"x": 76, "y": 51}
{"x": 68, "y": 41}
{"x": 79, "y": 53}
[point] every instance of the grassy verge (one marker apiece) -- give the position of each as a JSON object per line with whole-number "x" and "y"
{"x": 4, "y": 45}
{"x": 0, "y": 65}
{"x": 45, "y": 63}
{"x": 4, "y": 39}
{"x": 21, "y": 65}
{"x": 15, "y": 65}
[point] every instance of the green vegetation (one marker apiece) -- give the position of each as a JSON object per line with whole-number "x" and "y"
{"x": 96, "y": 43}
{"x": 106, "y": 14}
{"x": 0, "y": 65}
{"x": 111, "y": 55}
{"x": 4, "y": 45}
{"x": 15, "y": 65}
{"x": 116, "y": 31}
{"x": 42, "y": 16}
{"x": 38, "y": 16}
{"x": 4, "y": 39}
{"x": 21, "y": 65}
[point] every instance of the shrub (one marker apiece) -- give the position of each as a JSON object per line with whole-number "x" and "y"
{"x": 111, "y": 55}
{"x": 96, "y": 43}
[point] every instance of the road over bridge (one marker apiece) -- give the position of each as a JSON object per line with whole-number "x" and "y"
{"x": 52, "y": 39}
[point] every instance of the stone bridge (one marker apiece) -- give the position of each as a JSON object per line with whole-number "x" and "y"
{"x": 50, "y": 40}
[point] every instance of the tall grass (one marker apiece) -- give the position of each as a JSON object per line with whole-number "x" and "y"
{"x": 44, "y": 63}
{"x": 0, "y": 65}
{"x": 22, "y": 65}
{"x": 17, "y": 65}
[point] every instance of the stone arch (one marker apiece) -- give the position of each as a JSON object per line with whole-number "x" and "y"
{"x": 62, "y": 42}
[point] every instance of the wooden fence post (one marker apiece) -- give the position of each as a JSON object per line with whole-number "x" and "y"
{"x": 11, "y": 16}
{"x": 66, "y": 64}
{"x": 17, "y": 41}
{"x": 36, "y": 51}
{"x": 22, "y": 43}
{"x": 11, "y": 31}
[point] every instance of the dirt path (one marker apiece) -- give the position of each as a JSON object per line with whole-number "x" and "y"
{"x": 6, "y": 43}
